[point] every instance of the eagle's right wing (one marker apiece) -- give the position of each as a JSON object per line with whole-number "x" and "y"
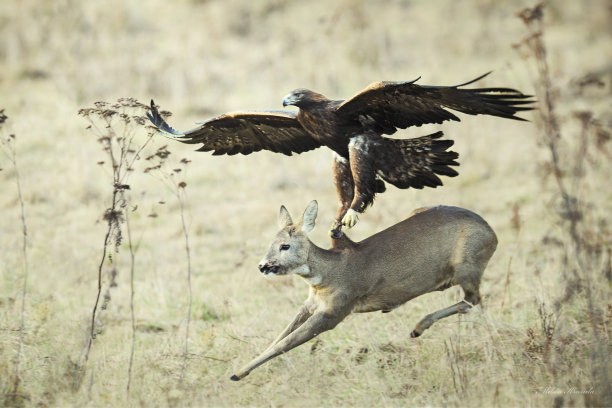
{"x": 387, "y": 106}
{"x": 244, "y": 132}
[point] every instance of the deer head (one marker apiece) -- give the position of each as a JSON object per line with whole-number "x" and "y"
{"x": 289, "y": 250}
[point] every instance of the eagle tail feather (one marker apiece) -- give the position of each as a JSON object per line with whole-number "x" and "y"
{"x": 156, "y": 118}
{"x": 417, "y": 162}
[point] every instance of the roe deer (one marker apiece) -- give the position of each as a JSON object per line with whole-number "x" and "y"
{"x": 434, "y": 249}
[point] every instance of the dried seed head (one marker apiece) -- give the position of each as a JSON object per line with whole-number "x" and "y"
{"x": 122, "y": 186}
{"x": 531, "y": 14}
{"x": 113, "y": 216}
{"x": 86, "y": 111}
{"x": 584, "y": 116}
{"x": 163, "y": 152}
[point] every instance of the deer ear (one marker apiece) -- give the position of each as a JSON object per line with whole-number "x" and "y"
{"x": 284, "y": 219}
{"x": 309, "y": 217}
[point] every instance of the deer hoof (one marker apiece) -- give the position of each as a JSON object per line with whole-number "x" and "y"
{"x": 415, "y": 334}
{"x": 350, "y": 218}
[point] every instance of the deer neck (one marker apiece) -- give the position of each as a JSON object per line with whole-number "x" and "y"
{"x": 320, "y": 266}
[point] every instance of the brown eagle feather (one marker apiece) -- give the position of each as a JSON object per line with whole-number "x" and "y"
{"x": 353, "y": 129}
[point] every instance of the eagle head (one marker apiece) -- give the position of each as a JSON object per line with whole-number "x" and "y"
{"x": 302, "y": 97}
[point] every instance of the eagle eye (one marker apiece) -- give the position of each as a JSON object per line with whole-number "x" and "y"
{"x": 284, "y": 247}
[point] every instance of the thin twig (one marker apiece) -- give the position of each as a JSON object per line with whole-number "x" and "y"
{"x": 507, "y": 293}
{"x": 158, "y": 160}
{"x": 132, "y": 263}
{"x": 12, "y": 156}
{"x": 92, "y": 334}
{"x": 25, "y": 276}
{"x": 181, "y": 199}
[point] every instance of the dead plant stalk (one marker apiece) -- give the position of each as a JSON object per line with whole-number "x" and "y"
{"x": 8, "y": 147}
{"x": 118, "y": 145}
{"x": 571, "y": 202}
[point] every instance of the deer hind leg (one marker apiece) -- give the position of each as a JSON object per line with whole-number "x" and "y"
{"x": 470, "y": 261}
{"x": 472, "y": 298}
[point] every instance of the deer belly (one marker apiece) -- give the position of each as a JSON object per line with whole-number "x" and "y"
{"x": 390, "y": 294}
{"x": 381, "y": 302}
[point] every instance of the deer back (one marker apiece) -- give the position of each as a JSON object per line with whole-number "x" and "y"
{"x": 413, "y": 257}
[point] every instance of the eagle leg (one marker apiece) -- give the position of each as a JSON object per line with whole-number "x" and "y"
{"x": 362, "y": 149}
{"x": 343, "y": 179}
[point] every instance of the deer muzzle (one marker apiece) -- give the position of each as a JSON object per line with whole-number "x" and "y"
{"x": 268, "y": 268}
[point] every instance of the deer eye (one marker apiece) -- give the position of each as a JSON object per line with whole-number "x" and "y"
{"x": 284, "y": 247}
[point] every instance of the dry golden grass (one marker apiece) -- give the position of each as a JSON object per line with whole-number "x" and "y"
{"x": 202, "y": 58}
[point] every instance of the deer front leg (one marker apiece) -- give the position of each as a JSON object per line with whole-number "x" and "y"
{"x": 313, "y": 326}
{"x": 343, "y": 179}
{"x": 299, "y": 319}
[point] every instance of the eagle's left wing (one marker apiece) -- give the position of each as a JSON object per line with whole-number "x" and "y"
{"x": 243, "y": 132}
{"x": 386, "y": 106}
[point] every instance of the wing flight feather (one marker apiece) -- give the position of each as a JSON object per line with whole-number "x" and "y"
{"x": 243, "y": 132}
{"x": 398, "y": 105}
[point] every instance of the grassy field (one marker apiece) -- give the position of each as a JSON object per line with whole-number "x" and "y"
{"x": 542, "y": 336}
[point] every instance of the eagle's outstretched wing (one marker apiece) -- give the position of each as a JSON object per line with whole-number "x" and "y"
{"x": 244, "y": 132}
{"x": 386, "y": 106}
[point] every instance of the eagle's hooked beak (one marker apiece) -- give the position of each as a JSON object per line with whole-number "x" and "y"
{"x": 290, "y": 99}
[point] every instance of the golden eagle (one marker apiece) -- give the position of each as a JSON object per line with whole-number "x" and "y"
{"x": 353, "y": 129}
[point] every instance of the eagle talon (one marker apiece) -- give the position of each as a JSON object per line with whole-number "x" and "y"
{"x": 336, "y": 233}
{"x": 350, "y": 219}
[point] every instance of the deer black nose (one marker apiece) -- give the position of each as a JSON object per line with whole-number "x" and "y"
{"x": 267, "y": 268}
